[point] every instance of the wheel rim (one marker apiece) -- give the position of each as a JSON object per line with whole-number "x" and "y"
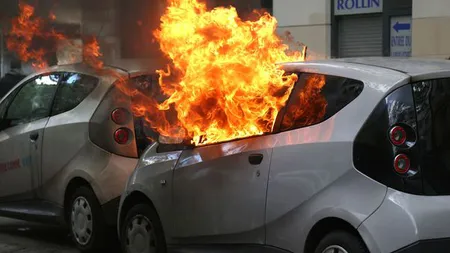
{"x": 334, "y": 249}
{"x": 81, "y": 219}
{"x": 140, "y": 235}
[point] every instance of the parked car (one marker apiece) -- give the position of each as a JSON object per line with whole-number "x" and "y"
{"x": 371, "y": 174}
{"x": 68, "y": 143}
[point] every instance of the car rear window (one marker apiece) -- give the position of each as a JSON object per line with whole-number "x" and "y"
{"x": 316, "y": 98}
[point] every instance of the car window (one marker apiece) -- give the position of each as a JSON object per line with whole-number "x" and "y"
{"x": 147, "y": 86}
{"x": 316, "y": 98}
{"x": 33, "y": 101}
{"x": 72, "y": 90}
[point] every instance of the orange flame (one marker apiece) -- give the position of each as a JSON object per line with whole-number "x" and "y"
{"x": 26, "y": 28}
{"x": 91, "y": 53}
{"x": 308, "y": 106}
{"x": 227, "y": 84}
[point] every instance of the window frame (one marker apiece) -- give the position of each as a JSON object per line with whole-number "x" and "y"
{"x": 52, "y": 114}
{"x": 15, "y": 91}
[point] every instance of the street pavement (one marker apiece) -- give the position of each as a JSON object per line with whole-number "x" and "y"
{"x": 25, "y": 237}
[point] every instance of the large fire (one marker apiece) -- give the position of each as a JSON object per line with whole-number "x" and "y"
{"x": 223, "y": 81}
{"x": 25, "y": 29}
{"x": 227, "y": 84}
{"x": 30, "y": 35}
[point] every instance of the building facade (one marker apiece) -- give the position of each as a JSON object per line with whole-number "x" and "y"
{"x": 352, "y": 28}
{"x": 330, "y": 28}
{"x": 123, "y": 28}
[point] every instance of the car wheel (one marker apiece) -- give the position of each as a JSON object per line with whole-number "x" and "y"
{"x": 341, "y": 242}
{"x": 142, "y": 231}
{"x": 87, "y": 225}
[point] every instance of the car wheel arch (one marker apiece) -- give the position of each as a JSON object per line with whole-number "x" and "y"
{"x": 325, "y": 226}
{"x": 71, "y": 187}
{"x": 133, "y": 198}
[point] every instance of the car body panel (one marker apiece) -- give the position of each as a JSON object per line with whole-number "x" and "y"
{"x": 153, "y": 177}
{"x": 20, "y": 160}
{"x": 311, "y": 170}
{"x": 69, "y": 127}
{"x": 208, "y": 185}
{"x": 408, "y": 218}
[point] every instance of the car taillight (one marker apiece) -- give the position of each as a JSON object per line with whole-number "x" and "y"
{"x": 386, "y": 148}
{"x": 397, "y": 135}
{"x": 122, "y": 135}
{"x": 120, "y": 116}
{"x": 402, "y": 164}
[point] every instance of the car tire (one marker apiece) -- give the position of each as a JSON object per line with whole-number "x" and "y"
{"x": 142, "y": 230}
{"x": 87, "y": 225}
{"x": 341, "y": 242}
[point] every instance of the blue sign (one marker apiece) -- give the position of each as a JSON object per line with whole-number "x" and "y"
{"x": 401, "y": 36}
{"x": 401, "y": 26}
{"x": 347, "y": 7}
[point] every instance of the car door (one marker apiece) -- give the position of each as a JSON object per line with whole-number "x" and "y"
{"x": 220, "y": 192}
{"x": 23, "y": 116}
{"x": 68, "y": 126}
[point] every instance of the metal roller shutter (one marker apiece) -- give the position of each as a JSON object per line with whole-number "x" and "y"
{"x": 360, "y": 36}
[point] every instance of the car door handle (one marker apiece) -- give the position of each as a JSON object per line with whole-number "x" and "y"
{"x": 34, "y": 136}
{"x": 255, "y": 159}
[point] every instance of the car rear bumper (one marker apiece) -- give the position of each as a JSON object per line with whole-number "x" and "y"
{"x": 408, "y": 223}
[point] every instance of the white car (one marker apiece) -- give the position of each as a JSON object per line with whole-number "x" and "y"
{"x": 370, "y": 174}
{"x": 68, "y": 143}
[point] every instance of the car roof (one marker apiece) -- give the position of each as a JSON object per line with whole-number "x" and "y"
{"x": 381, "y": 73}
{"x": 121, "y": 66}
{"x": 412, "y": 66}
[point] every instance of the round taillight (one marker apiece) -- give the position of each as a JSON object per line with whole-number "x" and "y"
{"x": 397, "y": 135}
{"x": 122, "y": 135}
{"x": 402, "y": 163}
{"x": 120, "y": 116}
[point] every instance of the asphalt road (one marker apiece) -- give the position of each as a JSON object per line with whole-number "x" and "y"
{"x": 25, "y": 237}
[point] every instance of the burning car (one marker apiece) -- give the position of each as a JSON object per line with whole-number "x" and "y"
{"x": 68, "y": 142}
{"x": 358, "y": 165}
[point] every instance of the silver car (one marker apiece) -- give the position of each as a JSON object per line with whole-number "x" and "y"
{"x": 369, "y": 173}
{"x": 68, "y": 143}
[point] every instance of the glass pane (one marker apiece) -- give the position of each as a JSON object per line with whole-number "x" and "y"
{"x": 316, "y": 98}
{"x": 34, "y": 100}
{"x": 73, "y": 89}
{"x": 432, "y": 100}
